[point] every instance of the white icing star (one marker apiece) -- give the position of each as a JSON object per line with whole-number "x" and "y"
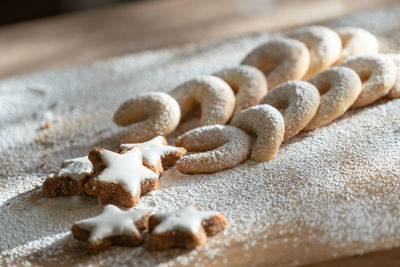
{"x": 126, "y": 169}
{"x": 152, "y": 150}
{"x": 111, "y": 222}
{"x": 76, "y": 168}
{"x": 187, "y": 219}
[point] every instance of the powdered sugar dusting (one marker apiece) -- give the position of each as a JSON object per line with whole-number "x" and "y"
{"x": 329, "y": 193}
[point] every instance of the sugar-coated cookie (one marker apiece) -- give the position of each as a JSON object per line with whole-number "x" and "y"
{"x": 281, "y": 59}
{"x": 267, "y": 123}
{"x": 298, "y": 101}
{"x": 378, "y": 74}
{"x": 213, "y": 94}
{"x": 356, "y": 41}
{"x": 112, "y": 227}
{"x": 120, "y": 177}
{"x": 247, "y": 82}
{"x": 339, "y": 87}
{"x": 70, "y": 179}
{"x": 148, "y": 115}
{"x": 157, "y": 154}
{"x": 395, "y": 91}
{"x": 185, "y": 228}
{"x": 216, "y": 147}
{"x": 324, "y": 45}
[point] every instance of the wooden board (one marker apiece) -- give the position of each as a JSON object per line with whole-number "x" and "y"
{"x": 79, "y": 103}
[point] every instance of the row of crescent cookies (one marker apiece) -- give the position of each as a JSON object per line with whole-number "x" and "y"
{"x": 273, "y": 102}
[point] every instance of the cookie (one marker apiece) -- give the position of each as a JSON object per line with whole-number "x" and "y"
{"x": 378, "y": 74}
{"x": 356, "y": 41}
{"x": 339, "y": 87}
{"x": 247, "y": 82}
{"x": 185, "y": 228}
{"x": 281, "y": 59}
{"x": 70, "y": 179}
{"x": 215, "y": 147}
{"x": 112, "y": 227}
{"x": 267, "y": 123}
{"x": 157, "y": 154}
{"x": 324, "y": 45}
{"x": 148, "y": 115}
{"x": 213, "y": 94}
{"x": 120, "y": 177}
{"x": 298, "y": 102}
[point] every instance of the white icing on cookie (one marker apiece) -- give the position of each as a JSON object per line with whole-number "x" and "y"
{"x": 152, "y": 150}
{"x": 126, "y": 169}
{"x": 111, "y": 222}
{"x": 187, "y": 219}
{"x": 76, "y": 168}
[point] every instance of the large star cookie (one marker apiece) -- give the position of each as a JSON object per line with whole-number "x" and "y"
{"x": 157, "y": 154}
{"x": 112, "y": 226}
{"x": 120, "y": 177}
{"x": 70, "y": 179}
{"x": 185, "y": 228}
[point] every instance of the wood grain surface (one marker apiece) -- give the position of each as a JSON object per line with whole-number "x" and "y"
{"x": 79, "y": 38}
{"x": 83, "y": 37}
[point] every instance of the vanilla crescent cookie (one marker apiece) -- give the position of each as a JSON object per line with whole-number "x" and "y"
{"x": 324, "y": 45}
{"x": 215, "y": 96}
{"x": 298, "y": 101}
{"x": 268, "y": 124}
{"x": 281, "y": 59}
{"x": 356, "y": 41}
{"x": 247, "y": 82}
{"x": 378, "y": 74}
{"x": 151, "y": 114}
{"x": 395, "y": 91}
{"x": 339, "y": 87}
{"x": 219, "y": 147}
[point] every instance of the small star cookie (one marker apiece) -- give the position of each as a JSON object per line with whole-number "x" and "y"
{"x": 157, "y": 154}
{"x": 112, "y": 226}
{"x": 120, "y": 177}
{"x": 184, "y": 228}
{"x": 70, "y": 179}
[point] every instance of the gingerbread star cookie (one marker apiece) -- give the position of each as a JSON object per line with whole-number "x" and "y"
{"x": 157, "y": 154}
{"x": 112, "y": 226}
{"x": 120, "y": 177}
{"x": 70, "y": 179}
{"x": 184, "y": 228}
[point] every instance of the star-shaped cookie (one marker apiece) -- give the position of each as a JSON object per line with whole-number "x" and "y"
{"x": 184, "y": 228}
{"x": 70, "y": 179}
{"x": 112, "y": 226}
{"x": 121, "y": 177}
{"x": 157, "y": 154}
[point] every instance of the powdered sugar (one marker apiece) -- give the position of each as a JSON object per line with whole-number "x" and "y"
{"x": 328, "y": 193}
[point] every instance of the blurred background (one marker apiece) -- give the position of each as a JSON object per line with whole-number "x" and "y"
{"x": 38, "y": 35}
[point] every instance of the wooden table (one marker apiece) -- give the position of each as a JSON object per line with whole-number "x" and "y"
{"x": 83, "y": 37}
{"x": 79, "y": 38}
